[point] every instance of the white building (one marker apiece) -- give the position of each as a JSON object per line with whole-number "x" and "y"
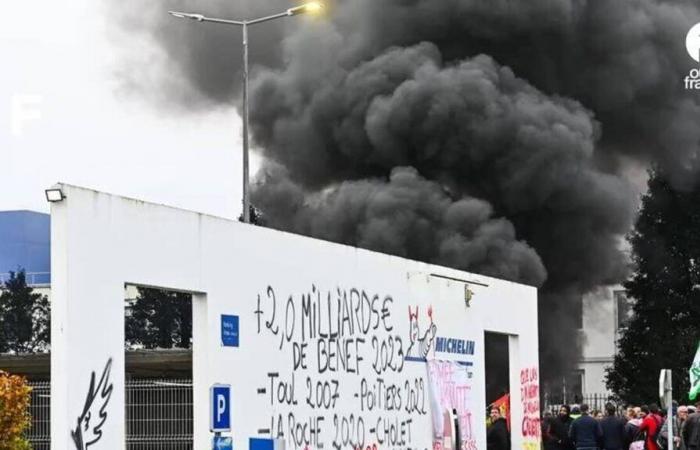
{"x": 604, "y": 313}
{"x": 362, "y": 333}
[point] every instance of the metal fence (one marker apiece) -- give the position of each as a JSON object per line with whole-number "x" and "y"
{"x": 596, "y": 402}
{"x": 32, "y": 278}
{"x": 40, "y": 409}
{"x": 158, "y": 415}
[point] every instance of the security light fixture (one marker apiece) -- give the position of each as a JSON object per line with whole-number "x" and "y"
{"x": 54, "y": 195}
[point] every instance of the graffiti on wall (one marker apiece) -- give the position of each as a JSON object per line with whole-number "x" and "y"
{"x": 346, "y": 383}
{"x": 419, "y": 346}
{"x": 451, "y": 391}
{"x": 89, "y": 424}
{"x": 530, "y": 397}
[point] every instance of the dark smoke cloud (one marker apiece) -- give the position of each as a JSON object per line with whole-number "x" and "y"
{"x": 624, "y": 60}
{"x": 405, "y": 215}
{"x": 473, "y": 126}
{"x": 487, "y": 135}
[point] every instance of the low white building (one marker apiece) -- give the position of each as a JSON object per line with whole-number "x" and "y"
{"x": 312, "y": 343}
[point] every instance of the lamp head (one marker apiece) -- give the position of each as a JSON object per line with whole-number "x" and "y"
{"x": 306, "y": 8}
{"x": 182, "y": 15}
{"x": 313, "y": 7}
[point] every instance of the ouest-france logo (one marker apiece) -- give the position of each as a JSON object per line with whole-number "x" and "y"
{"x": 692, "y": 44}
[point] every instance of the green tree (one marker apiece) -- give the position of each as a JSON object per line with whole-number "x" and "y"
{"x": 665, "y": 328}
{"x": 24, "y": 317}
{"x": 159, "y": 319}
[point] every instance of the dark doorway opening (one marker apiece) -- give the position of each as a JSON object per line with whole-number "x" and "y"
{"x": 497, "y": 368}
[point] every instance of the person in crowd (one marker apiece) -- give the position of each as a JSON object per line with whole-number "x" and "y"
{"x": 597, "y": 414}
{"x": 585, "y": 432}
{"x": 549, "y": 440}
{"x": 678, "y": 420}
{"x": 560, "y": 429}
{"x": 630, "y": 414}
{"x": 497, "y": 435}
{"x": 656, "y": 413}
{"x": 650, "y": 426}
{"x": 634, "y": 440}
{"x": 613, "y": 428}
{"x": 690, "y": 433}
{"x": 575, "y": 412}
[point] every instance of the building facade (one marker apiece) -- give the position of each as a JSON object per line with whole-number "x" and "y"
{"x": 605, "y": 313}
{"x": 25, "y": 244}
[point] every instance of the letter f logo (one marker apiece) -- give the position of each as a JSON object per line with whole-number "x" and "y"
{"x": 692, "y": 42}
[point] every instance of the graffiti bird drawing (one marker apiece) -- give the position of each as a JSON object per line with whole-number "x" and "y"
{"x": 88, "y": 429}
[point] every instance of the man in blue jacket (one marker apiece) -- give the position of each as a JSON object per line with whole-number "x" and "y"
{"x": 585, "y": 432}
{"x": 613, "y": 428}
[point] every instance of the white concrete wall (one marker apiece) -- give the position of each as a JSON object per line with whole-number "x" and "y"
{"x": 100, "y": 242}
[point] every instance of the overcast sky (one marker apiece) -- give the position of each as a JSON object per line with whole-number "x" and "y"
{"x": 61, "y": 65}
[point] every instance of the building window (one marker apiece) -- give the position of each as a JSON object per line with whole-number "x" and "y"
{"x": 574, "y": 386}
{"x": 624, "y": 309}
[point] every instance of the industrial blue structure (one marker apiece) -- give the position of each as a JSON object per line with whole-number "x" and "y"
{"x": 25, "y": 243}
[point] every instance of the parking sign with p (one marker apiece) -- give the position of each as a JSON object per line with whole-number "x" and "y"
{"x": 220, "y": 407}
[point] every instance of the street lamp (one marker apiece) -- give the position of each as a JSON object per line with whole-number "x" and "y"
{"x": 307, "y": 8}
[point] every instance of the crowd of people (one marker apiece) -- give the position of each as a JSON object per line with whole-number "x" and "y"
{"x": 638, "y": 428}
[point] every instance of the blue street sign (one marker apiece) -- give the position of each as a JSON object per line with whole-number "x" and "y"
{"x": 229, "y": 331}
{"x": 220, "y": 407}
{"x": 222, "y": 443}
{"x": 261, "y": 444}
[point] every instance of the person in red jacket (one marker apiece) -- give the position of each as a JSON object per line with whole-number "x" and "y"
{"x": 650, "y": 425}
{"x": 656, "y": 413}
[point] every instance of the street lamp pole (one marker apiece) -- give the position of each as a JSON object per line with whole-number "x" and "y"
{"x": 312, "y": 7}
{"x": 246, "y": 170}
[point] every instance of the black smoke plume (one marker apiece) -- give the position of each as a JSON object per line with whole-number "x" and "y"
{"x": 405, "y": 216}
{"x": 486, "y": 135}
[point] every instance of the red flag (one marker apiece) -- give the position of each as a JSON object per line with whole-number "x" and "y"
{"x": 503, "y": 404}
